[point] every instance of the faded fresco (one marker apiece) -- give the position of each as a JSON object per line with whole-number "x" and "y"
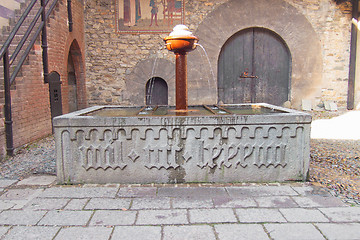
{"x": 136, "y": 16}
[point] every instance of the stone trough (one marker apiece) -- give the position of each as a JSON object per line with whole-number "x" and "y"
{"x": 228, "y": 143}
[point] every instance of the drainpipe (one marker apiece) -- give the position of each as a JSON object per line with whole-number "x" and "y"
{"x": 44, "y": 43}
{"x": 70, "y": 16}
{"x": 352, "y": 65}
{"x": 8, "y": 118}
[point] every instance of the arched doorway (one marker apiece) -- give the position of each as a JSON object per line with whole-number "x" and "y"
{"x": 156, "y": 91}
{"x": 254, "y": 66}
{"x": 75, "y": 98}
{"x": 72, "y": 88}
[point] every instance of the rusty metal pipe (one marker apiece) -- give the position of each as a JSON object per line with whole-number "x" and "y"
{"x": 181, "y": 81}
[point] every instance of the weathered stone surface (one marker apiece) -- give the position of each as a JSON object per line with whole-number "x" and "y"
{"x": 151, "y": 203}
{"x": 47, "y": 204}
{"x": 37, "y": 180}
{"x": 276, "y": 202}
{"x": 20, "y": 217}
{"x": 157, "y": 217}
{"x": 88, "y": 233}
{"x": 303, "y": 215}
{"x": 227, "y": 202}
{"x": 340, "y": 231}
{"x": 342, "y": 214}
{"x": 34, "y": 232}
{"x": 225, "y": 215}
{"x": 76, "y": 204}
{"x": 285, "y": 231}
{"x": 72, "y": 192}
{"x": 113, "y": 218}
{"x": 200, "y": 232}
{"x": 259, "y": 215}
{"x": 66, "y": 218}
{"x": 6, "y": 182}
{"x": 172, "y": 149}
{"x": 241, "y": 231}
{"x": 137, "y": 232}
{"x": 108, "y": 203}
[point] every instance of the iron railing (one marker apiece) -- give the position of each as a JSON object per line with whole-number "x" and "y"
{"x": 11, "y": 61}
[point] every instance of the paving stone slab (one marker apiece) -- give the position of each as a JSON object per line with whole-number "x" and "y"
{"x": 258, "y": 215}
{"x": 66, "y": 218}
{"x": 303, "y": 215}
{"x": 276, "y": 202}
{"x": 226, "y": 202}
{"x": 137, "y": 233}
{"x": 342, "y": 214}
{"x": 224, "y": 215}
{"x": 42, "y": 180}
{"x": 158, "y": 217}
{"x": 84, "y": 233}
{"x": 33, "y": 232}
{"x": 7, "y": 204}
{"x": 240, "y": 232}
{"x": 47, "y": 203}
{"x": 192, "y": 203}
{"x": 76, "y": 204}
{"x": 194, "y": 192}
{"x": 20, "y": 217}
{"x": 292, "y": 231}
{"x": 77, "y": 192}
{"x": 108, "y": 203}
{"x": 312, "y": 191}
{"x": 151, "y": 203}
{"x": 198, "y": 232}
{"x": 7, "y": 182}
{"x": 257, "y": 191}
{"x": 137, "y": 192}
{"x": 332, "y": 231}
{"x": 113, "y": 218}
{"x": 3, "y": 230}
{"x": 21, "y": 194}
{"x": 20, "y": 197}
{"x": 318, "y": 201}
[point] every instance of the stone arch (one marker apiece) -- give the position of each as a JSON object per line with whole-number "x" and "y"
{"x": 143, "y": 71}
{"x": 78, "y": 71}
{"x": 156, "y": 92}
{"x": 277, "y": 16}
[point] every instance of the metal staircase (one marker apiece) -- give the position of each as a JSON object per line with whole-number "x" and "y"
{"x": 26, "y": 30}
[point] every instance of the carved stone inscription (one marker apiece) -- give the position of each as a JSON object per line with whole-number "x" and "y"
{"x": 205, "y": 150}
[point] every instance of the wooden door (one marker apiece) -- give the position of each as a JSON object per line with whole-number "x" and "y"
{"x": 55, "y": 94}
{"x": 254, "y": 66}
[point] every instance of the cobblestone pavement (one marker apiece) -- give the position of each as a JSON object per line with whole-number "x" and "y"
{"x": 36, "y": 208}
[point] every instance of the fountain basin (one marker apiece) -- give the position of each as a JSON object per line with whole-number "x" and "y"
{"x": 227, "y": 143}
{"x": 181, "y": 44}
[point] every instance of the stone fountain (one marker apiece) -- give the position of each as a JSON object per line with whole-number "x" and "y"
{"x": 160, "y": 144}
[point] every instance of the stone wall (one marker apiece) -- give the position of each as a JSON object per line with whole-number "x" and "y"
{"x": 119, "y": 65}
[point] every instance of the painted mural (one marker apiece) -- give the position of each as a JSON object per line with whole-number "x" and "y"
{"x": 146, "y": 16}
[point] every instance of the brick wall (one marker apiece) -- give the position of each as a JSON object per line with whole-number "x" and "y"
{"x": 30, "y": 96}
{"x": 112, "y": 59}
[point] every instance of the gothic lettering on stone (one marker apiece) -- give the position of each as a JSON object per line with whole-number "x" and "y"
{"x": 243, "y": 152}
{"x": 161, "y": 157}
{"x": 271, "y": 154}
{"x": 208, "y": 154}
{"x": 97, "y": 156}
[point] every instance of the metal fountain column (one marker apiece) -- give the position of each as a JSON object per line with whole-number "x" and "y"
{"x": 181, "y": 45}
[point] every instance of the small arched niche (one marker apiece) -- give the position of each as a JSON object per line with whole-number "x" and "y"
{"x": 156, "y": 92}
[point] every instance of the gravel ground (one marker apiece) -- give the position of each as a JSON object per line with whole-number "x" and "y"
{"x": 35, "y": 158}
{"x": 334, "y": 164}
